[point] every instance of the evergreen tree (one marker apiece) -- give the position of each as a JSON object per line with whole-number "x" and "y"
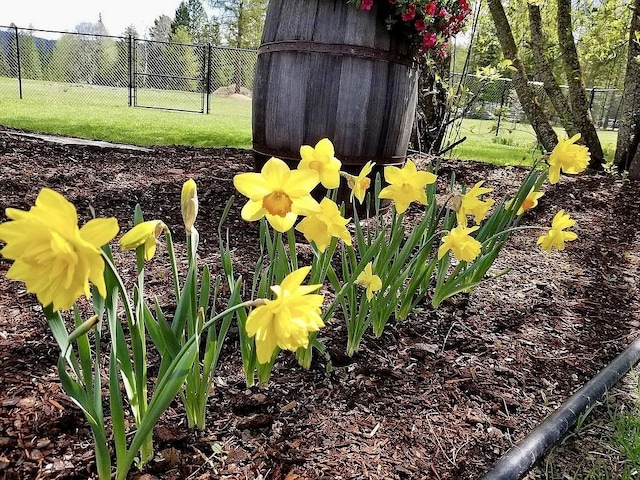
{"x": 161, "y": 30}
{"x": 181, "y": 18}
{"x": 198, "y": 21}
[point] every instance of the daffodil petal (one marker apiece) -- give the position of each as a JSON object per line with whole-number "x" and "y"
{"x": 99, "y": 231}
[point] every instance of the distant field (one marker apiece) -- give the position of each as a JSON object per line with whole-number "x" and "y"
{"x": 103, "y": 113}
{"x": 513, "y": 144}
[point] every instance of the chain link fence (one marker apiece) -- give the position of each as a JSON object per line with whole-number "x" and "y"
{"x": 496, "y": 99}
{"x": 94, "y": 69}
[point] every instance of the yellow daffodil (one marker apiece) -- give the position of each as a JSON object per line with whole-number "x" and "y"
{"x": 406, "y": 185}
{"x": 464, "y": 247}
{"x": 556, "y": 236}
{"x": 367, "y": 279}
{"x": 470, "y": 204}
{"x": 322, "y": 159}
{"x": 320, "y": 227}
{"x": 145, "y": 233}
{"x": 53, "y": 257}
{"x": 287, "y": 320}
{"x": 359, "y": 184}
{"x": 568, "y": 157}
{"x": 277, "y": 193}
{"x": 530, "y": 201}
{"x": 189, "y": 204}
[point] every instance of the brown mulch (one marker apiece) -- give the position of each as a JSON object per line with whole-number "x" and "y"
{"x": 440, "y": 396}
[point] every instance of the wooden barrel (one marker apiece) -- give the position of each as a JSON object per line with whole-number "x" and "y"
{"x": 327, "y": 69}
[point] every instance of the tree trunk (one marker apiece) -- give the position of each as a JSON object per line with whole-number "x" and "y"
{"x": 432, "y": 107}
{"x": 544, "y": 70}
{"x": 577, "y": 95}
{"x": 627, "y": 151}
{"x": 634, "y": 168}
{"x": 539, "y": 121}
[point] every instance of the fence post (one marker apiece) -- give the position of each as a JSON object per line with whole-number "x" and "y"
{"x": 15, "y": 28}
{"x": 208, "y": 78}
{"x": 130, "y": 69}
{"x": 593, "y": 94}
{"x": 504, "y": 89}
{"x": 603, "y": 111}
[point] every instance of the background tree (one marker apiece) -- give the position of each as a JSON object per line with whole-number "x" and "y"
{"x": 181, "y": 17}
{"x": 121, "y": 71}
{"x": 180, "y": 61}
{"x": 578, "y": 100}
{"x": 530, "y": 104}
{"x": 152, "y": 53}
{"x": 30, "y": 65}
{"x": 486, "y": 47}
{"x": 199, "y": 28}
{"x": 603, "y": 26}
{"x": 544, "y": 71}
{"x": 241, "y": 21}
{"x": 161, "y": 29}
{"x": 58, "y": 69}
{"x": 628, "y": 148}
{"x": 30, "y": 57}
{"x": 4, "y": 64}
{"x": 191, "y": 15}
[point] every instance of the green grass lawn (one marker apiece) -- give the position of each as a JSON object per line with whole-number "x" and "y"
{"x": 511, "y": 144}
{"x": 103, "y": 113}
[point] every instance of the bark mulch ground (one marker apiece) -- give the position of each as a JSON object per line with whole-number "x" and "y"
{"x": 440, "y": 396}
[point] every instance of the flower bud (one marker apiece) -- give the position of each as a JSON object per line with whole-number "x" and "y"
{"x": 189, "y": 204}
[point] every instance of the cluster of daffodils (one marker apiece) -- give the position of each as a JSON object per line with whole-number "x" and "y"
{"x": 384, "y": 272}
{"x": 472, "y": 235}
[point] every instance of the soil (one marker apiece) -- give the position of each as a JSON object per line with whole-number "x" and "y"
{"x": 441, "y": 395}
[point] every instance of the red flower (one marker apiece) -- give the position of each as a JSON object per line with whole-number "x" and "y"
{"x": 464, "y": 5}
{"x": 427, "y": 24}
{"x": 429, "y": 40}
{"x": 366, "y": 5}
{"x": 409, "y": 13}
{"x": 430, "y": 9}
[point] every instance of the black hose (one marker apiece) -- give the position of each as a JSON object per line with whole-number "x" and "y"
{"x": 520, "y": 458}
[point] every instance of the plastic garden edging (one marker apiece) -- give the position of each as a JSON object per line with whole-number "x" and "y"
{"x": 521, "y": 457}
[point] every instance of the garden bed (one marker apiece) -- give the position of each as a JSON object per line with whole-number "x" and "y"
{"x": 441, "y": 395}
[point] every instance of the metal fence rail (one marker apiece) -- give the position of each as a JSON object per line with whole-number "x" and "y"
{"x": 112, "y": 70}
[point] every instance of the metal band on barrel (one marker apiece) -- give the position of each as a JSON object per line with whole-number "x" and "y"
{"x": 335, "y": 49}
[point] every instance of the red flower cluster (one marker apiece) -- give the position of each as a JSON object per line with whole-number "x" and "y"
{"x": 427, "y": 23}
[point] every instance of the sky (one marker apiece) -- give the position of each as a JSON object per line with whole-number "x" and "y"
{"x": 64, "y": 15}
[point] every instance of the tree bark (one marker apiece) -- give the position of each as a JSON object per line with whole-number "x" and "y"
{"x": 628, "y": 149}
{"x": 432, "y": 106}
{"x": 544, "y": 71}
{"x": 577, "y": 95}
{"x": 530, "y": 104}
{"x": 634, "y": 167}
